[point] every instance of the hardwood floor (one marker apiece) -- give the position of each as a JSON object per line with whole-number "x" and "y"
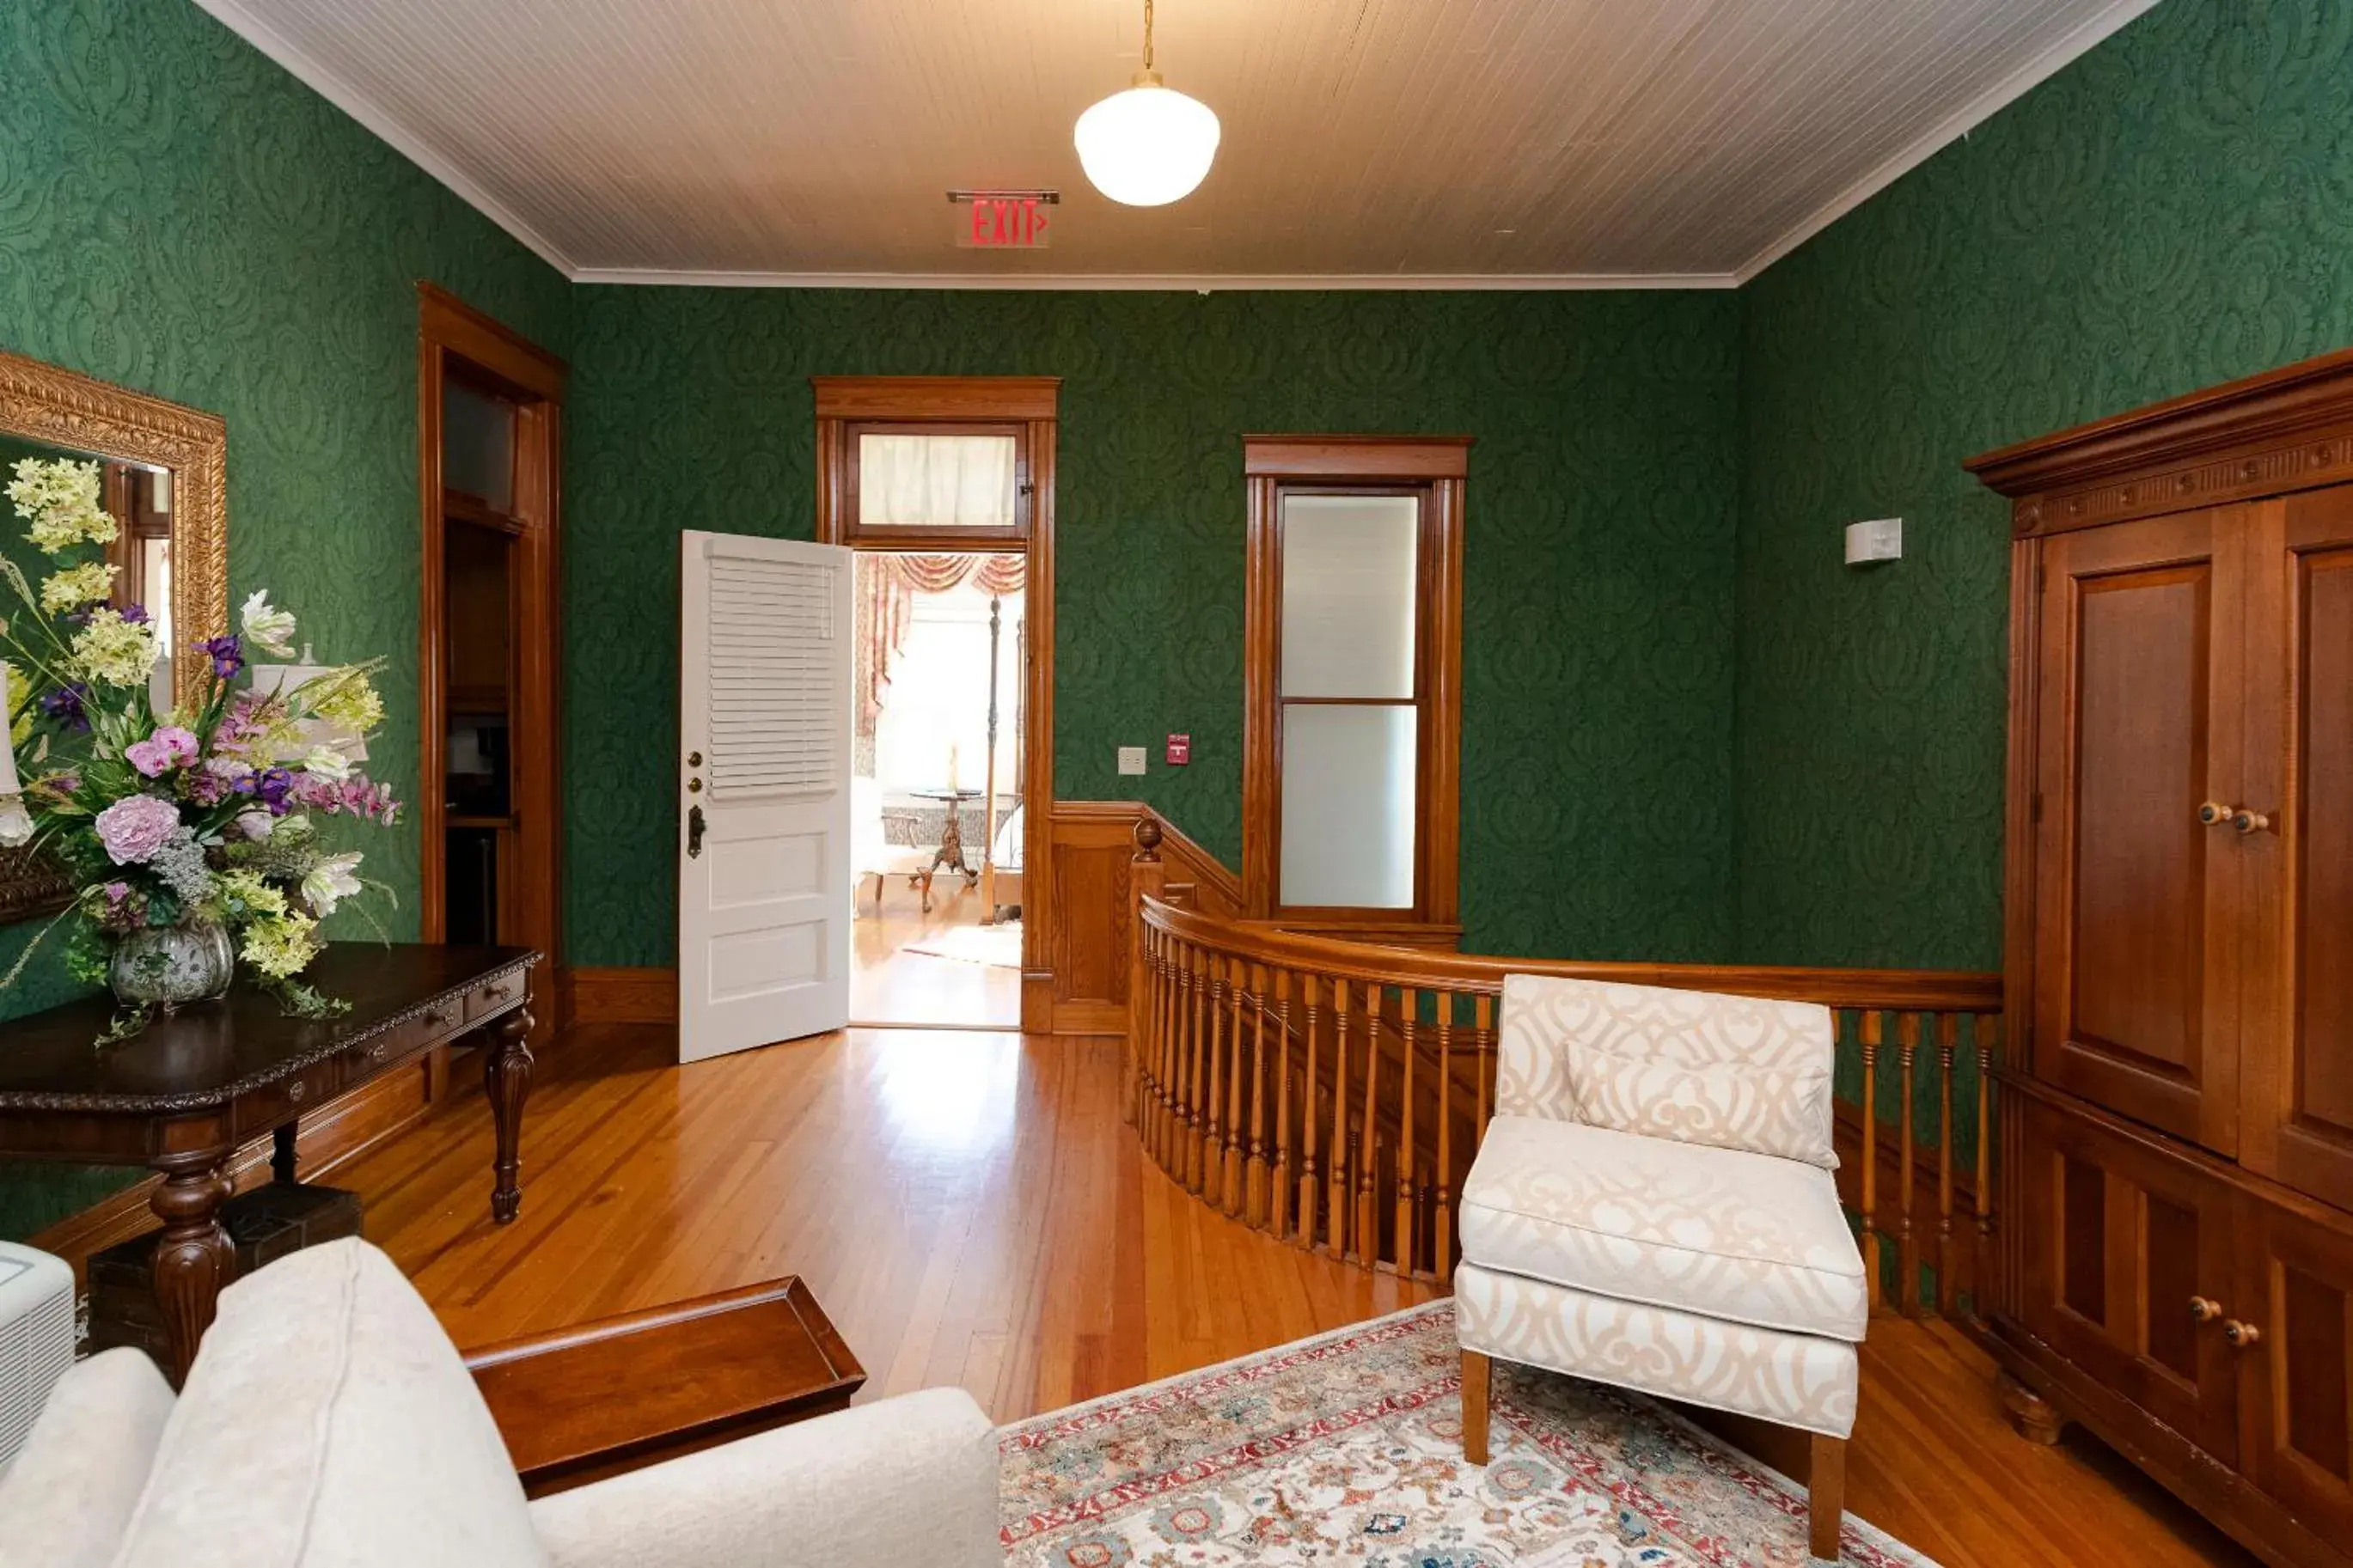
{"x": 971, "y": 1209}
{"x": 888, "y": 985}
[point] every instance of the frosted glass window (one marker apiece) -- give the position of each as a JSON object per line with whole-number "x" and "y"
{"x": 1349, "y": 574}
{"x": 937, "y": 482}
{"x": 478, "y": 444}
{"x": 1347, "y": 805}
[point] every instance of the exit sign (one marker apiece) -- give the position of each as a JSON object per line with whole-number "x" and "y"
{"x": 1018, "y": 220}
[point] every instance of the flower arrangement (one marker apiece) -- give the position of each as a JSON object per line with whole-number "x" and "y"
{"x": 200, "y": 818}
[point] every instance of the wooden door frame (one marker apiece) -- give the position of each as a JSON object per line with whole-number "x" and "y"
{"x": 446, "y": 327}
{"x": 1033, "y": 402}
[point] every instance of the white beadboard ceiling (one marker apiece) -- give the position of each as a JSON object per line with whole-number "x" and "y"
{"x": 1382, "y": 144}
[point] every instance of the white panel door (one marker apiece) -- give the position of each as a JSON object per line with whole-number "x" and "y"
{"x": 763, "y": 885}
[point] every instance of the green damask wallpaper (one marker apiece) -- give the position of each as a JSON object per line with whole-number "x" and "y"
{"x": 179, "y": 215}
{"x": 1598, "y": 678}
{"x": 2173, "y": 210}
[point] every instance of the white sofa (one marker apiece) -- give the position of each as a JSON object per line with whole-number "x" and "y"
{"x": 1652, "y": 1206}
{"x": 329, "y": 1423}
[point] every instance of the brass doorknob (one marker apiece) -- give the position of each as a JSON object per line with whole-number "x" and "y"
{"x": 2204, "y": 1310}
{"x": 2241, "y": 1335}
{"x": 2213, "y": 814}
{"x": 2250, "y": 821}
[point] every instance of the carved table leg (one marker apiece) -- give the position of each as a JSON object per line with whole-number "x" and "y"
{"x": 506, "y": 1076}
{"x": 2036, "y": 1418}
{"x": 193, "y": 1256}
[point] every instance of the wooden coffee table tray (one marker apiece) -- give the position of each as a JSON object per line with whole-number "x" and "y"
{"x": 580, "y": 1403}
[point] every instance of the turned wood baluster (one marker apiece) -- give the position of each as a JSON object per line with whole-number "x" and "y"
{"x": 1310, "y": 1186}
{"x": 1907, "y": 1249}
{"x": 1948, "y": 1030}
{"x": 1409, "y": 1013}
{"x": 1335, "y": 1199}
{"x": 1196, "y": 993}
{"x": 1368, "y": 1239}
{"x": 1482, "y": 1042}
{"x": 1279, "y": 1190}
{"x": 1171, "y": 1042}
{"x": 1442, "y": 1232}
{"x": 1870, "y": 1028}
{"x": 1213, "y": 1154}
{"x": 1254, "y": 1172}
{"x": 1230, "y": 1188}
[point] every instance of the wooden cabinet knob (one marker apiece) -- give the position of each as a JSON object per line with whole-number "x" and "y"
{"x": 2241, "y": 1335}
{"x": 2250, "y": 821}
{"x": 2213, "y": 814}
{"x": 2204, "y": 1310}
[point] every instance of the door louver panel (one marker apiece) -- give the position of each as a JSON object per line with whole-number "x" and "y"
{"x": 773, "y": 671}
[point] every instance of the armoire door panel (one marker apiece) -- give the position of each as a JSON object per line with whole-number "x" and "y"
{"x": 2126, "y": 1240}
{"x": 2298, "y": 1369}
{"x": 2298, "y": 864}
{"x": 2140, "y": 670}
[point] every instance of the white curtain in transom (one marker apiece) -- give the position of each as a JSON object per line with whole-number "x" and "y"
{"x": 935, "y": 481}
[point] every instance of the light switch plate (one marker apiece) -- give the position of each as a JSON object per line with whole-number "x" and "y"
{"x": 1130, "y": 760}
{"x": 1880, "y": 539}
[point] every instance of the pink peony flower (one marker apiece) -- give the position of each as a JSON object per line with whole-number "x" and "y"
{"x": 135, "y": 827}
{"x": 168, "y": 748}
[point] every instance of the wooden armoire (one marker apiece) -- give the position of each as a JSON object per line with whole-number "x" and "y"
{"x": 2177, "y": 1103}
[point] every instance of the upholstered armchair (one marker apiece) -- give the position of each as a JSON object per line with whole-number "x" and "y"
{"x": 1653, "y": 1207}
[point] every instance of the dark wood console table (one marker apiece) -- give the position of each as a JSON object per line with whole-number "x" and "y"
{"x": 183, "y": 1095}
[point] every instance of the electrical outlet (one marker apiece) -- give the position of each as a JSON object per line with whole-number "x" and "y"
{"x": 1130, "y": 760}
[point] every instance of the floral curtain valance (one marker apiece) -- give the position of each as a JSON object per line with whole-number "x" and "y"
{"x": 889, "y": 605}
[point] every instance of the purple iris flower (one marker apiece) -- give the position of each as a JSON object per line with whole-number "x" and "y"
{"x": 228, "y": 655}
{"x": 135, "y": 615}
{"x": 275, "y": 785}
{"x": 65, "y": 705}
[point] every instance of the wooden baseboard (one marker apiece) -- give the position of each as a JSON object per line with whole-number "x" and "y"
{"x": 607, "y": 995}
{"x": 337, "y": 1136}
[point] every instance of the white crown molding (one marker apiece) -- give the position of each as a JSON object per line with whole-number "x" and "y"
{"x": 1177, "y": 282}
{"x": 336, "y": 89}
{"x": 2086, "y": 37}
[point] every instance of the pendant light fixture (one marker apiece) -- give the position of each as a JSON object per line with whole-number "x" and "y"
{"x": 1150, "y": 145}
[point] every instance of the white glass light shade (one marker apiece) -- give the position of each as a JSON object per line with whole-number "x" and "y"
{"x": 1147, "y": 146}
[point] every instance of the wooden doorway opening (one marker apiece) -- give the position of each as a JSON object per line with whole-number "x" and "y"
{"x": 490, "y": 417}
{"x": 1004, "y": 427}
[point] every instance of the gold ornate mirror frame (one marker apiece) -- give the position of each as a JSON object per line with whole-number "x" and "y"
{"x": 60, "y": 408}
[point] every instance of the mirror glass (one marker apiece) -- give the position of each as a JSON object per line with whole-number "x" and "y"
{"x": 139, "y": 497}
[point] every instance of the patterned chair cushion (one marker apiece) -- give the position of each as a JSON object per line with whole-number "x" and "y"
{"x": 1797, "y": 1380}
{"x": 1743, "y": 1237}
{"x": 1729, "y": 1072}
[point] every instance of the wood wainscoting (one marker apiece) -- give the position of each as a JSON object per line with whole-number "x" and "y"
{"x": 606, "y": 995}
{"x": 1088, "y": 936}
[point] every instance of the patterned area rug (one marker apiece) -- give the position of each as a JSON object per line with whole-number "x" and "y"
{"x": 1346, "y": 1449}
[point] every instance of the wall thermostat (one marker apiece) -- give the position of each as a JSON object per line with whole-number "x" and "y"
{"x": 1880, "y": 539}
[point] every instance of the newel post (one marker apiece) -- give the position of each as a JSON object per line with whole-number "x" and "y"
{"x": 1147, "y": 878}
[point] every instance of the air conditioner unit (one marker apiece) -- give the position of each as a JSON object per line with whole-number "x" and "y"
{"x": 36, "y": 1337}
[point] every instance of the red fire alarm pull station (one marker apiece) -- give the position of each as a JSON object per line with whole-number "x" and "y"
{"x": 1180, "y": 750}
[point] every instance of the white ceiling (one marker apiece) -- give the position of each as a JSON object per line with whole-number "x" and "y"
{"x": 1369, "y": 143}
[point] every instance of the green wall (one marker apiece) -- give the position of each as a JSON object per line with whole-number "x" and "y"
{"x": 2173, "y": 210}
{"x": 179, "y": 215}
{"x": 1599, "y": 571}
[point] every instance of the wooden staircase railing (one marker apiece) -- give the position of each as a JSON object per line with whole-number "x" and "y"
{"x": 1332, "y": 1093}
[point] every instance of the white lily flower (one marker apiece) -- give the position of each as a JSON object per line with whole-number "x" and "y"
{"x": 327, "y": 762}
{"x": 269, "y": 630}
{"x": 330, "y": 881}
{"x": 256, "y": 825}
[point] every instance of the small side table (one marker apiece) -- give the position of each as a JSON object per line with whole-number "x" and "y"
{"x": 951, "y": 849}
{"x": 577, "y": 1405}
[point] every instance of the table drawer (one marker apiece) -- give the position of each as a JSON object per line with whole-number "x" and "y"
{"x": 496, "y": 995}
{"x": 439, "y": 1022}
{"x": 304, "y": 1092}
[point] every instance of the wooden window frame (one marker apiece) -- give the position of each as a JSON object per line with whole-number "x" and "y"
{"x": 1435, "y": 468}
{"x": 455, "y": 338}
{"x": 847, "y": 405}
